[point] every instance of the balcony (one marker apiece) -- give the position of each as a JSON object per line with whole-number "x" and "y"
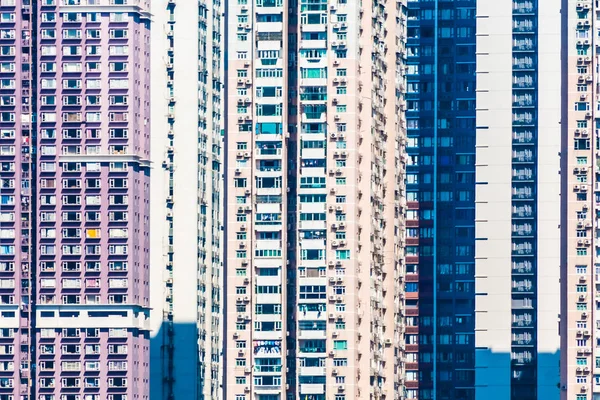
{"x": 311, "y": 388}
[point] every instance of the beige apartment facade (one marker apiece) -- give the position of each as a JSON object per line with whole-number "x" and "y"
{"x": 580, "y": 373}
{"x": 314, "y": 144}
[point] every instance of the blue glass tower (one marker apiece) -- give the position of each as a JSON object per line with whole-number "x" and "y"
{"x": 441, "y": 199}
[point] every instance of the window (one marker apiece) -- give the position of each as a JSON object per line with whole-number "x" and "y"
{"x": 340, "y": 344}
{"x": 342, "y": 254}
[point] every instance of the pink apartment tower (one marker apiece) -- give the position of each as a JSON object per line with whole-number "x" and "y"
{"x": 74, "y": 199}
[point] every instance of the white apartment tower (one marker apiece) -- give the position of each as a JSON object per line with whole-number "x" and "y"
{"x": 187, "y": 200}
{"x": 518, "y": 194}
{"x": 314, "y": 145}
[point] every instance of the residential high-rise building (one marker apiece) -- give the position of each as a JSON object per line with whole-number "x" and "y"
{"x": 74, "y": 199}
{"x": 580, "y": 290}
{"x": 518, "y": 212}
{"x": 440, "y": 190}
{"x": 187, "y": 200}
{"x": 314, "y": 140}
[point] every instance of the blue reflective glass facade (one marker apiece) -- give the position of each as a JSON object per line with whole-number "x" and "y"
{"x": 441, "y": 199}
